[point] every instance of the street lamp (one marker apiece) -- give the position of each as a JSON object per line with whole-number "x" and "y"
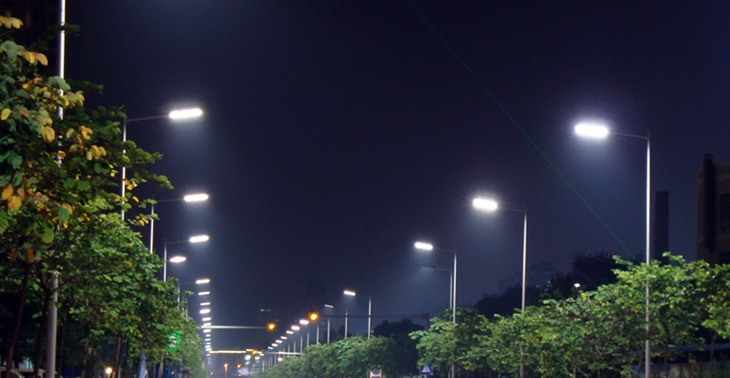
{"x": 429, "y": 247}
{"x": 175, "y": 115}
{"x": 601, "y": 131}
{"x": 328, "y": 306}
{"x": 370, "y": 306}
{"x": 490, "y": 205}
{"x": 197, "y": 197}
{"x": 193, "y": 240}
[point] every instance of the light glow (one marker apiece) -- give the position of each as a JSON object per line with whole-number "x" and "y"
{"x": 201, "y": 281}
{"x": 303, "y": 321}
{"x": 288, "y": 332}
{"x": 350, "y": 293}
{"x": 199, "y": 238}
{"x": 207, "y": 319}
{"x": 197, "y": 197}
{"x": 423, "y": 246}
{"x": 485, "y": 204}
{"x": 177, "y": 259}
{"x": 205, "y": 304}
{"x": 207, "y": 330}
{"x": 591, "y": 130}
{"x": 205, "y": 311}
{"x": 185, "y": 113}
{"x": 204, "y": 293}
{"x": 295, "y": 328}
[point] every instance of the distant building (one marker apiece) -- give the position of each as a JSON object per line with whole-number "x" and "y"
{"x": 713, "y": 212}
{"x": 661, "y": 225}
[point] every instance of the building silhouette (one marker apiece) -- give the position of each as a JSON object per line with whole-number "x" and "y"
{"x": 713, "y": 212}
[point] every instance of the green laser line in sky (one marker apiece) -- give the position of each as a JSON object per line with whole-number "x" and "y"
{"x": 520, "y": 128}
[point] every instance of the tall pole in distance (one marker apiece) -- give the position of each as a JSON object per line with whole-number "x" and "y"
{"x": 370, "y": 315}
{"x": 52, "y": 317}
{"x": 599, "y": 131}
{"x": 429, "y": 247}
{"x": 647, "y": 352}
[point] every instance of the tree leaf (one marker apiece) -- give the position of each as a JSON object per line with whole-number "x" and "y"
{"x": 4, "y": 221}
{"x": 5, "y": 114}
{"x": 17, "y": 161}
{"x": 47, "y": 236}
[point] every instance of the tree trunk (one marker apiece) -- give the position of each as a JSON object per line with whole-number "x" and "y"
{"x": 85, "y": 358}
{"x": 712, "y": 352}
{"x": 59, "y": 360}
{"x": 117, "y": 351}
{"x": 18, "y": 318}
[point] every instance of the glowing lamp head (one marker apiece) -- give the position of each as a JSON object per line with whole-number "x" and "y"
{"x": 591, "y": 130}
{"x": 485, "y": 204}
{"x": 423, "y": 246}
{"x": 185, "y": 113}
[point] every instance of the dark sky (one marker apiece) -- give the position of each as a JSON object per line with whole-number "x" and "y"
{"x": 337, "y": 133}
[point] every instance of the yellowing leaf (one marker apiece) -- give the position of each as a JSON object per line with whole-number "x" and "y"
{"x": 14, "y": 203}
{"x": 25, "y": 113}
{"x": 13, "y": 254}
{"x": 30, "y": 57}
{"x": 48, "y": 134}
{"x": 7, "y": 192}
{"x": 15, "y": 22}
{"x": 89, "y": 155}
{"x": 41, "y": 59}
{"x": 30, "y": 256}
{"x": 5, "y": 114}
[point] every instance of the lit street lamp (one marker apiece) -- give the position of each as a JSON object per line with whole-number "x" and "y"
{"x": 180, "y": 114}
{"x": 197, "y": 197}
{"x": 600, "y": 131}
{"x": 490, "y": 205}
{"x": 370, "y": 307}
{"x": 192, "y": 240}
{"x": 429, "y": 247}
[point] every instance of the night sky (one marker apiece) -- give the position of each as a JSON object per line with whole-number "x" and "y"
{"x": 337, "y": 133}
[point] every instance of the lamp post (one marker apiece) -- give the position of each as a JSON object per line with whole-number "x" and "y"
{"x": 370, "y": 307}
{"x": 490, "y": 205}
{"x": 329, "y": 306}
{"x": 198, "y": 197}
{"x": 193, "y": 240}
{"x": 600, "y": 131}
{"x": 179, "y": 114}
{"x": 429, "y": 247}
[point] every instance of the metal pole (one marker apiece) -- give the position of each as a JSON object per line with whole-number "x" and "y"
{"x": 453, "y": 313}
{"x": 317, "y": 332}
{"x": 370, "y": 314}
{"x": 328, "y": 331}
{"x": 164, "y": 267}
{"x": 524, "y": 262}
{"x": 152, "y": 228}
{"x": 524, "y": 283}
{"x": 345, "y": 323}
{"x": 52, "y": 309}
{"x": 647, "y": 357}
